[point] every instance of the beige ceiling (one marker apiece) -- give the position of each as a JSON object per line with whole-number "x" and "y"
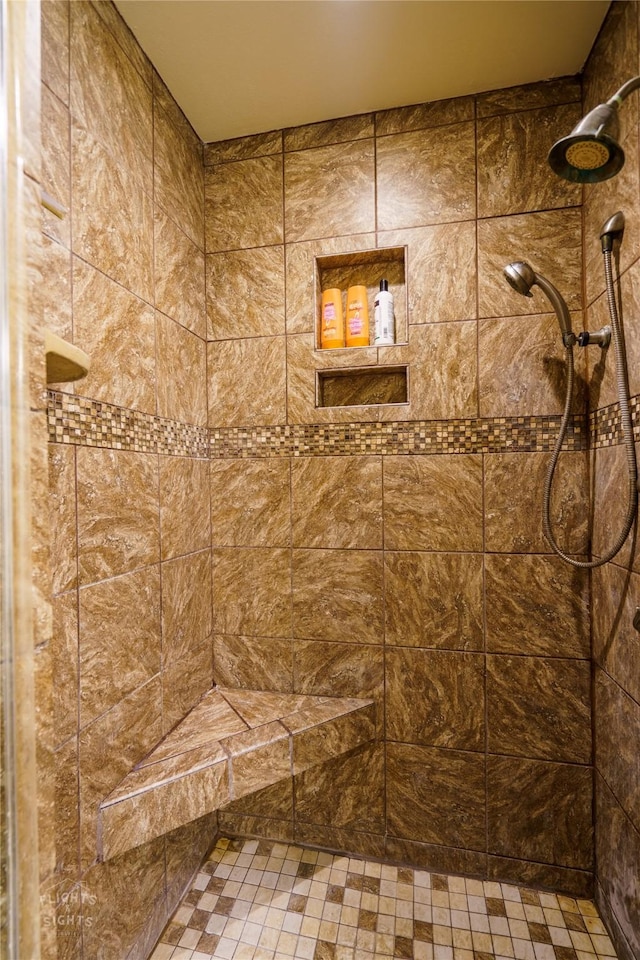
{"x": 238, "y": 67}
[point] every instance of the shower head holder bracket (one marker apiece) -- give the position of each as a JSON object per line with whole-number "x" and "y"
{"x": 601, "y": 338}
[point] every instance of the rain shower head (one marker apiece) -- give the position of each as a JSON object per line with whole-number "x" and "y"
{"x": 522, "y": 277}
{"x": 591, "y": 153}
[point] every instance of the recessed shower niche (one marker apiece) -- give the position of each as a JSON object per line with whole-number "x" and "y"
{"x": 366, "y": 268}
{"x": 363, "y": 387}
{"x": 362, "y": 376}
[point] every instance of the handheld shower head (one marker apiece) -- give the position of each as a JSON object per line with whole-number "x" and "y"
{"x": 522, "y": 277}
{"x": 591, "y": 153}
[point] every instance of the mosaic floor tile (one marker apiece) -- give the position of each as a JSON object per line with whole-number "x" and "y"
{"x": 263, "y": 900}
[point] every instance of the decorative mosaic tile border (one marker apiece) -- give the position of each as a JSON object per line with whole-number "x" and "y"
{"x": 78, "y": 420}
{"x": 91, "y": 423}
{"x": 84, "y": 422}
{"x": 489, "y": 435}
{"x": 605, "y": 425}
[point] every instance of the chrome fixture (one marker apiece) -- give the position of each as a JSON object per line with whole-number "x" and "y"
{"x": 522, "y": 277}
{"x": 601, "y": 338}
{"x": 612, "y": 230}
{"x": 591, "y": 153}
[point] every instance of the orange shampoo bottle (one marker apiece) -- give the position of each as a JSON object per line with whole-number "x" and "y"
{"x": 357, "y": 332}
{"x": 332, "y": 320}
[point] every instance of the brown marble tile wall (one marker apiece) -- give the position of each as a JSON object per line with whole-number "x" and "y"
{"x": 410, "y": 570}
{"x": 130, "y": 519}
{"x": 615, "y": 58}
{"x": 407, "y": 539}
{"x": 314, "y": 192}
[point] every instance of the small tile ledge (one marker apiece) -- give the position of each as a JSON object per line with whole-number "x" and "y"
{"x": 232, "y": 743}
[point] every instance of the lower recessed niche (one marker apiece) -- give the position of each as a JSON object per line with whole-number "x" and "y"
{"x": 366, "y": 387}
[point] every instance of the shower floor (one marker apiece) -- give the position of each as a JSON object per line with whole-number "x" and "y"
{"x": 264, "y": 900}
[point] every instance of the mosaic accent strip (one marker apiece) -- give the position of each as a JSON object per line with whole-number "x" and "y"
{"x": 84, "y": 422}
{"x": 490, "y": 435}
{"x": 605, "y": 425}
{"x": 91, "y": 423}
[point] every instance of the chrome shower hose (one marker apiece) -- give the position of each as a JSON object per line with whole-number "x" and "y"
{"x": 622, "y": 381}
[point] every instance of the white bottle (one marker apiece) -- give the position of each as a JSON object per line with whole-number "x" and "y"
{"x": 383, "y": 319}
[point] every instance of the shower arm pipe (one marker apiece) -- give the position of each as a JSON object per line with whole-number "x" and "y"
{"x": 622, "y": 380}
{"x": 624, "y": 91}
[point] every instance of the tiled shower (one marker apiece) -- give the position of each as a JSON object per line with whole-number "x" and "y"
{"x": 211, "y": 524}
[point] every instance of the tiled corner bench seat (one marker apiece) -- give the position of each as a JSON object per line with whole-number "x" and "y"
{"x": 232, "y": 743}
